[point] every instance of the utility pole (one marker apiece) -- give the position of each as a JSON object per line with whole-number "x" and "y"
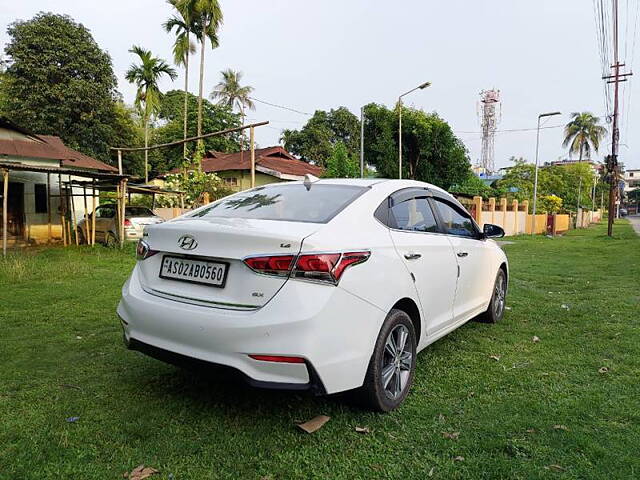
{"x": 361, "y": 142}
{"x": 612, "y": 161}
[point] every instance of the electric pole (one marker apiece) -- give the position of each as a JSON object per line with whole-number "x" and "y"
{"x": 612, "y": 160}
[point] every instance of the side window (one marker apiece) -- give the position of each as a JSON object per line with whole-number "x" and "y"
{"x": 414, "y": 215}
{"x": 455, "y": 222}
{"x": 105, "y": 212}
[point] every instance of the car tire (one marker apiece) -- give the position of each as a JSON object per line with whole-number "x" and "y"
{"x": 391, "y": 369}
{"x": 110, "y": 240}
{"x": 498, "y": 302}
{"x": 81, "y": 239}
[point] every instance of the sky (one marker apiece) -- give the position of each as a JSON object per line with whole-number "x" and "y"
{"x": 308, "y": 55}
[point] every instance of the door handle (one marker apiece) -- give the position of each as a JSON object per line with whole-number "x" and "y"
{"x": 462, "y": 254}
{"x": 412, "y": 256}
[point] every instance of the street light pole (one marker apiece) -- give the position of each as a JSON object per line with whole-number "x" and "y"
{"x": 361, "y": 142}
{"x": 419, "y": 87}
{"x": 535, "y": 181}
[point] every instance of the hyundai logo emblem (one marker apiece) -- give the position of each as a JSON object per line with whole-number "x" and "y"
{"x": 187, "y": 242}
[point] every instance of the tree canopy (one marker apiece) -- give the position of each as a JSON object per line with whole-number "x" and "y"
{"x": 431, "y": 152}
{"x": 170, "y": 115}
{"x": 583, "y": 133}
{"x": 563, "y": 181}
{"x": 315, "y": 141}
{"x": 59, "y": 82}
{"x": 340, "y": 164}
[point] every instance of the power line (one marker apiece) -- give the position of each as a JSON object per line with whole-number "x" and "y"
{"x": 281, "y": 106}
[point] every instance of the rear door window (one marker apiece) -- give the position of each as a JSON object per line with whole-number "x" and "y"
{"x": 414, "y": 215}
{"x": 286, "y": 202}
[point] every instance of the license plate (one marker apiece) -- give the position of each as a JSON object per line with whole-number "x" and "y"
{"x": 195, "y": 271}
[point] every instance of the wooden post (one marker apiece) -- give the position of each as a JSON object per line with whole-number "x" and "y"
{"x": 5, "y": 209}
{"x": 93, "y": 214}
{"x": 123, "y": 192}
{"x": 73, "y": 213}
{"x": 205, "y": 198}
{"x": 253, "y": 157}
{"x": 63, "y": 228}
{"x": 49, "y": 236}
{"x": 87, "y": 232}
{"x": 119, "y": 162}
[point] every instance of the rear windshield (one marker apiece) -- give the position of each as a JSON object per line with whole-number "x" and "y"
{"x": 292, "y": 202}
{"x": 138, "y": 212}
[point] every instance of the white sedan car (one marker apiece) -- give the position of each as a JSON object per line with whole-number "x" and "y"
{"x": 329, "y": 285}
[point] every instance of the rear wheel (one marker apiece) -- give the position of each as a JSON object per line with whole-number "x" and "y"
{"x": 496, "y": 309}
{"x": 110, "y": 240}
{"x": 81, "y": 239}
{"x": 392, "y": 365}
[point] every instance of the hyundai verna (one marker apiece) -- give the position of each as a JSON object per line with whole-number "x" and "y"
{"x": 328, "y": 285}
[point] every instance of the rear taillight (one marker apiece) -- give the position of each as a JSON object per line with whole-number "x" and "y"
{"x": 320, "y": 267}
{"x": 127, "y": 222}
{"x": 143, "y": 251}
{"x": 279, "y": 265}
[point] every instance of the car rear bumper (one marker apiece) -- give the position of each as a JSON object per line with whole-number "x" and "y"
{"x": 331, "y": 329}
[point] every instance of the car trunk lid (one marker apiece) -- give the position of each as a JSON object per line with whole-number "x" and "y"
{"x": 226, "y": 241}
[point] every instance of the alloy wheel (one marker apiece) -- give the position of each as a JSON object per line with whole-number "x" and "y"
{"x": 397, "y": 360}
{"x": 499, "y": 296}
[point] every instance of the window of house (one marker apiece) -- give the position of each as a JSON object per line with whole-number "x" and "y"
{"x": 231, "y": 181}
{"x": 41, "y": 197}
{"x": 631, "y": 174}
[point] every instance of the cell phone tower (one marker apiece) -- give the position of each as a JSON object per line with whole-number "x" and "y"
{"x": 490, "y": 111}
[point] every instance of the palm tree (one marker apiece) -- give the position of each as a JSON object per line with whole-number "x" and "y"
{"x": 583, "y": 133}
{"x": 229, "y": 92}
{"x": 183, "y": 47}
{"x": 146, "y": 76}
{"x": 205, "y": 18}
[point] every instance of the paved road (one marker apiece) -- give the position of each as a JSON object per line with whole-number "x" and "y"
{"x": 635, "y": 223}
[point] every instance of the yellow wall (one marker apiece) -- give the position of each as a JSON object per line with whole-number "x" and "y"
{"x": 244, "y": 178}
{"x": 541, "y": 223}
{"x": 562, "y": 223}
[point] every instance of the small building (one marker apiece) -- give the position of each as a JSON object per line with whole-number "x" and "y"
{"x": 39, "y": 168}
{"x": 631, "y": 179}
{"x": 273, "y": 164}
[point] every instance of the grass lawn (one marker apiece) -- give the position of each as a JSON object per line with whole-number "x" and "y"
{"x": 541, "y": 410}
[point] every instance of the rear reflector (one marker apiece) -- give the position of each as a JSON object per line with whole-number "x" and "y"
{"x": 277, "y": 358}
{"x": 322, "y": 267}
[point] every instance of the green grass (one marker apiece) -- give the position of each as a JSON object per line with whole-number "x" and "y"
{"x": 134, "y": 410}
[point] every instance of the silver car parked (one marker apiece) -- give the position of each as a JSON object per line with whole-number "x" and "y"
{"x": 136, "y": 218}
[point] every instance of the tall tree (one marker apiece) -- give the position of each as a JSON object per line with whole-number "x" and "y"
{"x": 183, "y": 47}
{"x": 431, "y": 152}
{"x": 146, "y": 76}
{"x": 583, "y": 133}
{"x": 59, "y": 82}
{"x": 231, "y": 93}
{"x": 206, "y": 18}
{"x": 315, "y": 141}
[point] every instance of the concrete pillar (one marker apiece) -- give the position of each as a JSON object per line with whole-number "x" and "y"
{"x": 492, "y": 209}
{"x": 477, "y": 201}
{"x": 515, "y": 216}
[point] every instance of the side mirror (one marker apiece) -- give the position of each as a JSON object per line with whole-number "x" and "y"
{"x": 492, "y": 231}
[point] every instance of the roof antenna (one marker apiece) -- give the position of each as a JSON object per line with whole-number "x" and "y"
{"x": 309, "y": 180}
